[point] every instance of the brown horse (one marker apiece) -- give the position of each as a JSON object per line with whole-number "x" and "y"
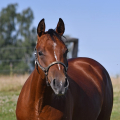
{"x": 57, "y": 89}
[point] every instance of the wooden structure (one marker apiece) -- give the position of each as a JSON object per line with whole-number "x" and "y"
{"x": 73, "y": 49}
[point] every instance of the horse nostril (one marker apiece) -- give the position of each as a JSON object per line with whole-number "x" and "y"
{"x": 54, "y": 82}
{"x": 66, "y": 82}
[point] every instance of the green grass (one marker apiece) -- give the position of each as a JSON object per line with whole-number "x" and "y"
{"x": 116, "y": 104}
{"x": 8, "y": 102}
{"x": 9, "y": 95}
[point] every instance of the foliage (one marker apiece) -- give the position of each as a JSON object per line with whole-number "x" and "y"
{"x": 17, "y": 38}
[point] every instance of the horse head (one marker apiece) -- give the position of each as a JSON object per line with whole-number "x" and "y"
{"x": 51, "y": 56}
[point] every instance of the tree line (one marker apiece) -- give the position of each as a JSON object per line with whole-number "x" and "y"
{"x": 17, "y": 40}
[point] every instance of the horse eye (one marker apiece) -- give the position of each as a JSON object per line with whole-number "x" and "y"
{"x": 40, "y": 53}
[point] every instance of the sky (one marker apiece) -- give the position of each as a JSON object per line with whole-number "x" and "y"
{"x": 96, "y": 23}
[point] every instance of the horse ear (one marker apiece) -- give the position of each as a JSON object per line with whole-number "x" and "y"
{"x": 41, "y": 28}
{"x": 60, "y": 27}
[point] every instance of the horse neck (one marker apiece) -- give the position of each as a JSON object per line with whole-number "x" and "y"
{"x": 38, "y": 84}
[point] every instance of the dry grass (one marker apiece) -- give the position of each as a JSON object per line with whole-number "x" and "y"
{"x": 116, "y": 85}
{"x": 11, "y": 83}
{"x": 116, "y": 81}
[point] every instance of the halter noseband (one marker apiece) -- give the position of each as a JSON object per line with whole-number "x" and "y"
{"x": 46, "y": 69}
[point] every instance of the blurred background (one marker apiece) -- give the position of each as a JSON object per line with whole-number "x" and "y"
{"x": 96, "y": 24}
{"x": 92, "y": 29}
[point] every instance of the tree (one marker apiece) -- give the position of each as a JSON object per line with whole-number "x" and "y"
{"x": 17, "y": 38}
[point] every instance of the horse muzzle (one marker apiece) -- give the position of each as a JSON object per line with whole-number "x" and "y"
{"x": 59, "y": 87}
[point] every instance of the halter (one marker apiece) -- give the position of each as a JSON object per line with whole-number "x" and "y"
{"x": 46, "y": 69}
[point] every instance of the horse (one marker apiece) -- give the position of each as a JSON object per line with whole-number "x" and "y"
{"x": 60, "y": 89}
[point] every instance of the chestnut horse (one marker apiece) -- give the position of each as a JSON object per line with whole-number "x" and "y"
{"x": 61, "y": 89}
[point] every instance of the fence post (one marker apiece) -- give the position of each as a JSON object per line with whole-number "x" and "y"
{"x": 11, "y": 69}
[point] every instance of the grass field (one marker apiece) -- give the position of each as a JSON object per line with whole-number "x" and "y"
{"x": 116, "y": 103}
{"x": 9, "y": 91}
{"x": 10, "y": 88}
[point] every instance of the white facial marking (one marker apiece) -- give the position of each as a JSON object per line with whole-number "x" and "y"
{"x": 54, "y": 44}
